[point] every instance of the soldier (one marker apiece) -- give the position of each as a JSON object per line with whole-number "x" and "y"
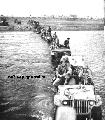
{"x": 66, "y": 43}
{"x": 85, "y": 76}
{"x": 65, "y": 56}
{"x": 54, "y": 36}
{"x": 55, "y": 39}
{"x": 49, "y": 30}
{"x": 63, "y": 72}
{"x": 53, "y": 45}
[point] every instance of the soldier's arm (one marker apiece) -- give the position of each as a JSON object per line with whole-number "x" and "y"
{"x": 58, "y": 71}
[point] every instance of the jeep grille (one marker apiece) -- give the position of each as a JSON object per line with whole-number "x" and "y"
{"x": 81, "y": 106}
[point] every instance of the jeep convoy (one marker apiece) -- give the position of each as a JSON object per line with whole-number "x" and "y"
{"x": 80, "y": 96}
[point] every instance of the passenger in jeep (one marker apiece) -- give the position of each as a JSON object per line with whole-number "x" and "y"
{"x": 85, "y": 76}
{"x": 63, "y": 72}
{"x": 65, "y": 56}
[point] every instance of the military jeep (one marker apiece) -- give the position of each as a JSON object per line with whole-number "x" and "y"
{"x": 82, "y": 96}
{"x": 56, "y": 55}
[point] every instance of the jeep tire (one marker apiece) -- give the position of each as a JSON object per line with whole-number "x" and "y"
{"x": 97, "y": 113}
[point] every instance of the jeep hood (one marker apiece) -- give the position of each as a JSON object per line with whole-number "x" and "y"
{"x": 85, "y": 92}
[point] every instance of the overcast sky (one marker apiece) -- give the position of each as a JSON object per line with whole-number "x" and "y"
{"x": 52, "y": 7}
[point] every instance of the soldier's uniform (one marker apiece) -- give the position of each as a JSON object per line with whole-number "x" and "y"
{"x": 66, "y": 43}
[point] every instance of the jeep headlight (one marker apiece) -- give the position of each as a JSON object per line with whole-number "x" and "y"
{"x": 64, "y": 102}
{"x": 91, "y": 103}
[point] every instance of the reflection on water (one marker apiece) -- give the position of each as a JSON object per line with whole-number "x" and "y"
{"x": 25, "y": 54}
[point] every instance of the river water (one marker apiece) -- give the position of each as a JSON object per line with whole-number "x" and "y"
{"x": 26, "y": 71}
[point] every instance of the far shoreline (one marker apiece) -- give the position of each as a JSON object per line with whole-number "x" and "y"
{"x": 57, "y": 24}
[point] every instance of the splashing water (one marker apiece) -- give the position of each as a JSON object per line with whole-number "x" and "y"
{"x": 65, "y": 113}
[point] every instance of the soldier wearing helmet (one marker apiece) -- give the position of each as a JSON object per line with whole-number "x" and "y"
{"x": 85, "y": 76}
{"x": 63, "y": 72}
{"x": 65, "y": 57}
{"x": 66, "y": 43}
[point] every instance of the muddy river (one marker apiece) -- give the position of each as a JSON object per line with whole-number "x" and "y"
{"x": 26, "y": 71}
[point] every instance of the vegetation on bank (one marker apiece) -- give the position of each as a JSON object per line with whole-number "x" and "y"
{"x": 57, "y": 24}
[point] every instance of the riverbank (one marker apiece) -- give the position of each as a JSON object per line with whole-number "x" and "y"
{"x": 57, "y": 24}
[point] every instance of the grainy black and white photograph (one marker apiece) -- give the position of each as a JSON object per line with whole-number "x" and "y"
{"x": 52, "y": 60}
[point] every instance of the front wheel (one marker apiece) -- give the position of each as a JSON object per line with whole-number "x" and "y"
{"x": 97, "y": 113}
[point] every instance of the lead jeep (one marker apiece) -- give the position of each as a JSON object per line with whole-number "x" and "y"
{"x": 82, "y": 97}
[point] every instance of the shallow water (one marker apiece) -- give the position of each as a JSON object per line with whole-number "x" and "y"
{"x": 26, "y": 54}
